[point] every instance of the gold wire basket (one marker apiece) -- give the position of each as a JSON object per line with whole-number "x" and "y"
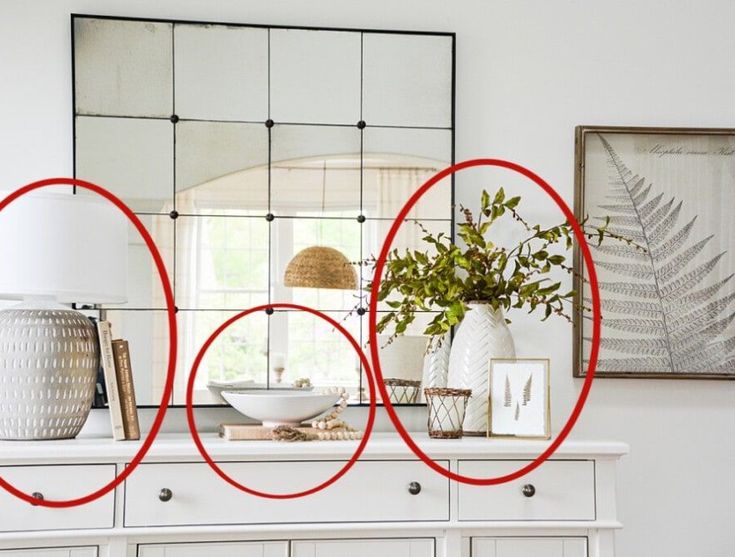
{"x": 446, "y": 411}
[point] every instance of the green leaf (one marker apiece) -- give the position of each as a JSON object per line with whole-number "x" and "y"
{"x": 513, "y": 202}
{"x": 484, "y": 200}
{"x": 499, "y": 196}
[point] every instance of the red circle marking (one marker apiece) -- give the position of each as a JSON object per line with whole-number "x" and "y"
{"x": 380, "y": 265}
{"x": 190, "y": 408}
{"x": 168, "y": 388}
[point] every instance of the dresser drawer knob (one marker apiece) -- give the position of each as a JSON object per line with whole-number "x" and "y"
{"x": 37, "y": 495}
{"x": 165, "y": 494}
{"x": 414, "y": 488}
{"x": 528, "y": 490}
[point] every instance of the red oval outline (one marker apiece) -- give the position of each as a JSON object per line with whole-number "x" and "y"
{"x": 168, "y": 388}
{"x": 190, "y": 408}
{"x": 380, "y": 264}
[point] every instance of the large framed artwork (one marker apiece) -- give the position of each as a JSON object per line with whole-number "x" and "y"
{"x": 668, "y": 298}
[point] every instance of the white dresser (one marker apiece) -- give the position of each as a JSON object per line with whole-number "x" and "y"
{"x": 389, "y": 505}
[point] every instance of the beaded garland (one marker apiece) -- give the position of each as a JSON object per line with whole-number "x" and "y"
{"x": 328, "y": 428}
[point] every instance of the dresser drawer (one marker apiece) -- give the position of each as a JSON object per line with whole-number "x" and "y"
{"x": 89, "y": 551}
{"x": 564, "y": 490}
{"x": 57, "y": 483}
{"x": 222, "y": 549}
{"x": 372, "y": 491}
{"x": 418, "y": 547}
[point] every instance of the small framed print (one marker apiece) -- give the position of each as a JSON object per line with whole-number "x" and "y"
{"x": 518, "y": 403}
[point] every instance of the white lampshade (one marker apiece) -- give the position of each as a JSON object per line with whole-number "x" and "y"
{"x": 69, "y": 247}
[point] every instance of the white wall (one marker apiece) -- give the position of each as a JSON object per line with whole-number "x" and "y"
{"x": 528, "y": 72}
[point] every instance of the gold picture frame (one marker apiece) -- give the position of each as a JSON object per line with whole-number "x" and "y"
{"x": 504, "y": 421}
{"x": 684, "y": 178}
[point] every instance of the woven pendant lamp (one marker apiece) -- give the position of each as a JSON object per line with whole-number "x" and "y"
{"x": 320, "y": 267}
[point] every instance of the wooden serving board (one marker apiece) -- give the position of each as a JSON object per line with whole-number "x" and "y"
{"x": 245, "y": 432}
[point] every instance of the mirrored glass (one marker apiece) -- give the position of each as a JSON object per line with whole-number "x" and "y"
{"x": 133, "y": 158}
{"x": 315, "y": 76}
{"x": 221, "y": 168}
{"x": 238, "y": 355}
{"x": 221, "y": 262}
{"x": 221, "y": 72}
{"x": 123, "y": 68}
{"x": 315, "y": 171}
{"x": 407, "y": 80}
{"x": 396, "y": 163}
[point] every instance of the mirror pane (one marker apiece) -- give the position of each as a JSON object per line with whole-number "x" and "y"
{"x": 221, "y": 168}
{"x": 407, "y": 80}
{"x": 238, "y": 355}
{"x": 315, "y": 76}
{"x": 144, "y": 284}
{"x": 133, "y": 158}
{"x": 290, "y": 236}
{"x": 314, "y": 349}
{"x": 123, "y": 68}
{"x": 147, "y": 335}
{"x": 403, "y": 358}
{"x": 221, "y": 72}
{"x": 315, "y": 171}
{"x": 221, "y": 262}
{"x": 409, "y": 237}
{"x": 396, "y": 162}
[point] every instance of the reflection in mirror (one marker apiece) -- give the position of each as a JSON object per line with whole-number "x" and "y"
{"x": 396, "y": 162}
{"x": 132, "y": 157}
{"x": 231, "y": 197}
{"x": 221, "y": 72}
{"x": 315, "y": 171}
{"x": 221, "y": 168}
{"x": 301, "y": 341}
{"x": 147, "y": 334}
{"x": 315, "y": 76}
{"x": 409, "y": 237}
{"x": 144, "y": 283}
{"x": 407, "y": 80}
{"x": 240, "y": 353}
{"x": 122, "y": 68}
{"x": 221, "y": 263}
{"x": 293, "y": 235}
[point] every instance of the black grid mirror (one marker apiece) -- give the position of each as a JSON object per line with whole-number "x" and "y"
{"x": 240, "y": 145}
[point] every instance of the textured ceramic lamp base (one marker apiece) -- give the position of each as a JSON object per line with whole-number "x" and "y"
{"x": 48, "y": 371}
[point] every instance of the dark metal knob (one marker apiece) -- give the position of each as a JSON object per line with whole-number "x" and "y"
{"x": 529, "y": 490}
{"x": 37, "y": 495}
{"x": 414, "y": 488}
{"x": 165, "y": 494}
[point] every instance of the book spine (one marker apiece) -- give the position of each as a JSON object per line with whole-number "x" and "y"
{"x": 108, "y": 366}
{"x": 121, "y": 351}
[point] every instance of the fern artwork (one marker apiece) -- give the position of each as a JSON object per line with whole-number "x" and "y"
{"x": 668, "y": 310}
{"x": 519, "y": 404}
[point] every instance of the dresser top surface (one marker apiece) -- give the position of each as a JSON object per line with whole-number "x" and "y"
{"x": 180, "y": 446}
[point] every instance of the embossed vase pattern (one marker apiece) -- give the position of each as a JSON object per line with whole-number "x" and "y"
{"x": 48, "y": 371}
{"x": 482, "y": 335}
{"x": 436, "y": 366}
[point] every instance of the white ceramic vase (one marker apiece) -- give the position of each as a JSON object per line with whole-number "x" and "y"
{"x": 482, "y": 335}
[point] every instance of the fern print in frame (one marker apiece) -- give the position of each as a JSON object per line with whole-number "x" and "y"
{"x": 668, "y": 311}
{"x": 519, "y": 401}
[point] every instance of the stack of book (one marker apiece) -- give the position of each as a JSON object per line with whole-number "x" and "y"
{"x": 118, "y": 384}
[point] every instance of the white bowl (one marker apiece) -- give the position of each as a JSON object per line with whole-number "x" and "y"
{"x": 216, "y": 387}
{"x": 275, "y": 408}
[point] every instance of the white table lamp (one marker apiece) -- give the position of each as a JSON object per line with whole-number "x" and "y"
{"x": 55, "y": 249}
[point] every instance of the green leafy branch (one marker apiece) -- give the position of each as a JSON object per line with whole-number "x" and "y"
{"x": 448, "y": 276}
